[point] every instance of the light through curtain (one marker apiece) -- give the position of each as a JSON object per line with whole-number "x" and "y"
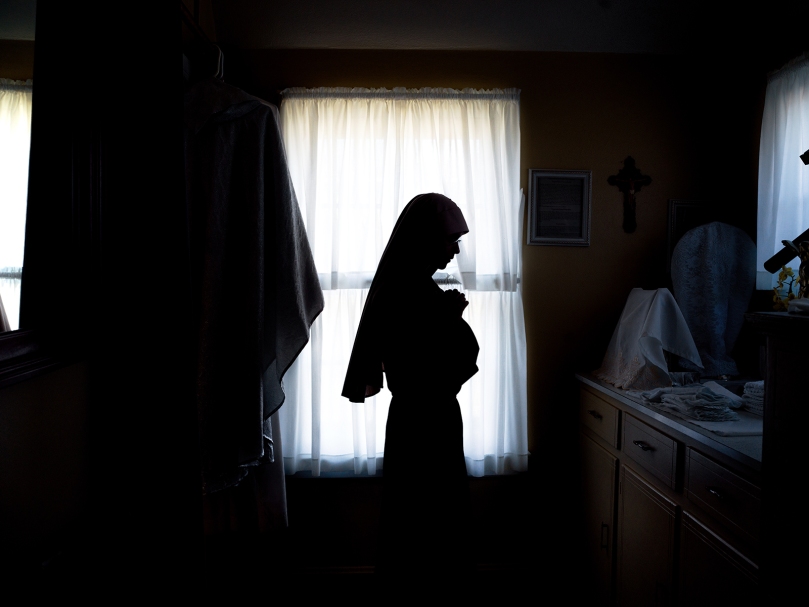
{"x": 783, "y": 179}
{"x": 357, "y": 157}
{"x": 15, "y": 143}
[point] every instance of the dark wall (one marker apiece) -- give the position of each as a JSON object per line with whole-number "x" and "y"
{"x": 104, "y": 282}
{"x": 44, "y": 476}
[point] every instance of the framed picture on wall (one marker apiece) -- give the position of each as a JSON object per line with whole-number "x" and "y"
{"x": 559, "y": 207}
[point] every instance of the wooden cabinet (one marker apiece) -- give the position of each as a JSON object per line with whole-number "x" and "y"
{"x": 599, "y": 416}
{"x": 598, "y": 486}
{"x": 669, "y": 516}
{"x": 712, "y": 572}
{"x": 646, "y": 534}
{"x": 651, "y": 449}
{"x": 723, "y": 495}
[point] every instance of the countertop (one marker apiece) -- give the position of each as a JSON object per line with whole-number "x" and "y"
{"x": 745, "y": 449}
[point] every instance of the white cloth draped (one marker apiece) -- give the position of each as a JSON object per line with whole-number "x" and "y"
{"x": 783, "y": 180}
{"x": 356, "y": 157}
{"x": 15, "y": 143}
{"x": 650, "y": 323}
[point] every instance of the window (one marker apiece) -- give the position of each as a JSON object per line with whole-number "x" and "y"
{"x": 783, "y": 180}
{"x": 15, "y": 142}
{"x": 357, "y": 157}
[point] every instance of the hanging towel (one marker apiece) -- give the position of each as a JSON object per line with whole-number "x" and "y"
{"x": 650, "y": 323}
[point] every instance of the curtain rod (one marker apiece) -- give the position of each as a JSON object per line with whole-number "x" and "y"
{"x": 8, "y": 84}
{"x": 398, "y": 93}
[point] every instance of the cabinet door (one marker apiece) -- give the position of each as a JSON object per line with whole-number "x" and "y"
{"x": 646, "y": 535}
{"x": 598, "y": 487}
{"x": 711, "y": 572}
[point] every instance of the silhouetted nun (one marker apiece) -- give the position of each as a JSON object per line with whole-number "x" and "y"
{"x": 413, "y": 331}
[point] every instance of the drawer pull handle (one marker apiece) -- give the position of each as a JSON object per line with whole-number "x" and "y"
{"x": 716, "y": 493}
{"x": 642, "y": 445}
{"x": 595, "y": 414}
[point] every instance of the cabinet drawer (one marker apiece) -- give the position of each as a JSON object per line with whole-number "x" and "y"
{"x": 712, "y": 572}
{"x": 600, "y": 416}
{"x": 652, "y": 449}
{"x": 723, "y": 494}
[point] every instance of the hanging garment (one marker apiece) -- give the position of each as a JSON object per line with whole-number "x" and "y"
{"x": 650, "y": 323}
{"x": 253, "y": 275}
{"x": 713, "y": 271}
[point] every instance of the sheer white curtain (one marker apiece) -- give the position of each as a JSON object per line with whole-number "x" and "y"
{"x": 783, "y": 180}
{"x": 15, "y": 142}
{"x": 357, "y": 157}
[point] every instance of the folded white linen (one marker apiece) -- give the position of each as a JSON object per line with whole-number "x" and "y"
{"x": 695, "y": 402}
{"x": 748, "y": 424}
{"x": 650, "y": 323}
{"x": 737, "y": 400}
{"x": 754, "y": 387}
{"x": 754, "y": 405}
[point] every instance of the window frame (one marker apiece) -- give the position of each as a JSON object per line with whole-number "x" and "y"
{"x": 62, "y": 220}
{"x": 312, "y": 456}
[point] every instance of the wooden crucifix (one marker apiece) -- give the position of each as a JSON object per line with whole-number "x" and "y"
{"x": 629, "y": 181}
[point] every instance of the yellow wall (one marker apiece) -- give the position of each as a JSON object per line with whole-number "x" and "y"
{"x": 578, "y": 111}
{"x": 16, "y": 59}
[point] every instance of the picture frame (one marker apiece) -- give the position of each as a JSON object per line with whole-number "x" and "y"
{"x": 559, "y": 203}
{"x": 685, "y": 215}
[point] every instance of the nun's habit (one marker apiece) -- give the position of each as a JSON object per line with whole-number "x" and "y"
{"x": 427, "y": 351}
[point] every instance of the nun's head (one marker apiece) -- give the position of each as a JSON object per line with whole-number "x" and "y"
{"x": 427, "y": 233}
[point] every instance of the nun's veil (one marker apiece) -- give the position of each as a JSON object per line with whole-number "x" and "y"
{"x": 424, "y": 218}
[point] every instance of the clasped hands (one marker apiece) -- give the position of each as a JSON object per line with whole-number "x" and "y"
{"x": 456, "y": 302}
